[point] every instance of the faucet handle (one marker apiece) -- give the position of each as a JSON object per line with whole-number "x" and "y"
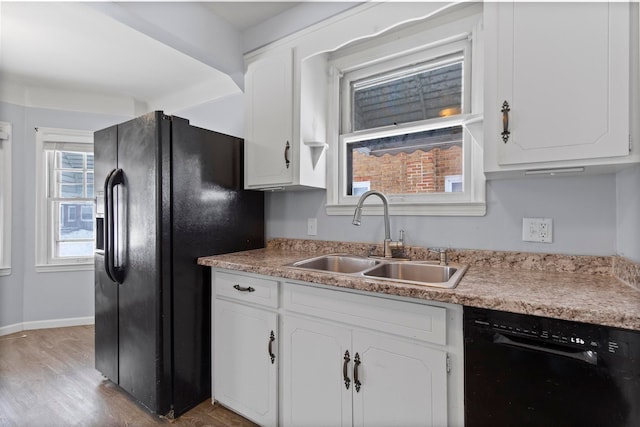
{"x": 443, "y": 254}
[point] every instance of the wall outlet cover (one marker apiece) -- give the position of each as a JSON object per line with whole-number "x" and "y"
{"x": 537, "y": 230}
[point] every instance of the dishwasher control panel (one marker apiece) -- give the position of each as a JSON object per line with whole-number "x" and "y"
{"x": 571, "y": 334}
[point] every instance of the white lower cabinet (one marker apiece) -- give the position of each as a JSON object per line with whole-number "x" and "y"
{"x": 312, "y": 388}
{"x": 245, "y": 360}
{"x": 335, "y": 358}
{"x": 402, "y": 383}
{"x": 335, "y": 375}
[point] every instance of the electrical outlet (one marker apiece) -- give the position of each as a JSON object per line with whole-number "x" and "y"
{"x": 312, "y": 226}
{"x": 537, "y": 230}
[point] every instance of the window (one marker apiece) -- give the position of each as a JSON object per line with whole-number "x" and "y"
{"x": 5, "y": 199}
{"x": 407, "y": 104}
{"x": 65, "y": 203}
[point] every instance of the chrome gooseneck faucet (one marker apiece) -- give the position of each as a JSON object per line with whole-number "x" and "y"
{"x": 357, "y": 220}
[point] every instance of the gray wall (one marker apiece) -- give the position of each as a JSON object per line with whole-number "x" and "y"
{"x": 628, "y": 213}
{"x": 583, "y": 210}
{"x": 26, "y": 295}
{"x": 224, "y": 115}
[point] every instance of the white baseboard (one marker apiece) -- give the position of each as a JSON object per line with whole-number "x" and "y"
{"x": 11, "y": 329}
{"x": 46, "y": 324}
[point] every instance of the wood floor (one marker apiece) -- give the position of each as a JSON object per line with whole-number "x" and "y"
{"x": 47, "y": 378}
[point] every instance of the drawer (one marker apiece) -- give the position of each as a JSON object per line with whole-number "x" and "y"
{"x": 410, "y": 320}
{"x": 241, "y": 287}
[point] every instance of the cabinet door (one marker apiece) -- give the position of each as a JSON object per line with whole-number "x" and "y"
{"x": 269, "y": 145}
{"x": 244, "y": 374}
{"x": 563, "y": 68}
{"x": 313, "y": 388}
{"x": 402, "y": 383}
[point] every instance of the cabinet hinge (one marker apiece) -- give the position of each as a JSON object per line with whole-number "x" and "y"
{"x": 448, "y": 364}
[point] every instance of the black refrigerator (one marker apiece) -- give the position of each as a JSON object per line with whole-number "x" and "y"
{"x": 166, "y": 193}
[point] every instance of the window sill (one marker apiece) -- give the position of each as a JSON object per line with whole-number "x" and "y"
{"x": 415, "y": 209}
{"x": 49, "y": 268}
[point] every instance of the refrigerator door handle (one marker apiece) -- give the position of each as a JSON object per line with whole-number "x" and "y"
{"x": 106, "y": 231}
{"x": 115, "y": 273}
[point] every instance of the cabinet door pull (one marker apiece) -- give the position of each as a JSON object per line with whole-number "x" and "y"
{"x": 287, "y": 147}
{"x": 241, "y": 289}
{"x": 272, "y": 338}
{"x": 345, "y": 365}
{"x": 505, "y": 121}
{"x": 356, "y": 380}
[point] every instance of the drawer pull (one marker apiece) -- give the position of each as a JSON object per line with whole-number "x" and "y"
{"x": 272, "y": 338}
{"x": 241, "y": 289}
{"x": 345, "y": 365}
{"x": 356, "y": 380}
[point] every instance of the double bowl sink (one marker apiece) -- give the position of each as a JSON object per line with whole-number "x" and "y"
{"x": 425, "y": 273}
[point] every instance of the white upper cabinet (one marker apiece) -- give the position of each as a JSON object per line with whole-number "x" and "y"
{"x": 269, "y": 97}
{"x": 286, "y": 109}
{"x": 557, "y": 85}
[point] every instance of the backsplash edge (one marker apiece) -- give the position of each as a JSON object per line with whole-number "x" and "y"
{"x": 627, "y": 271}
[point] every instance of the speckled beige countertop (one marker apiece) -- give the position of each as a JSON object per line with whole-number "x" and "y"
{"x": 580, "y": 288}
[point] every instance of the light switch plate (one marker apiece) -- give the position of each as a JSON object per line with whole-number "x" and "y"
{"x": 312, "y": 226}
{"x": 537, "y": 230}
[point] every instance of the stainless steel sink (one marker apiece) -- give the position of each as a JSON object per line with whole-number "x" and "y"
{"x": 337, "y": 263}
{"x": 423, "y": 273}
{"x": 418, "y": 273}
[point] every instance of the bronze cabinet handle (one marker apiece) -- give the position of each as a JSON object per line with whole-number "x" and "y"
{"x": 272, "y": 338}
{"x": 505, "y": 122}
{"x": 241, "y": 289}
{"x": 345, "y": 365}
{"x": 287, "y": 147}
{"x": 356, "y": 380}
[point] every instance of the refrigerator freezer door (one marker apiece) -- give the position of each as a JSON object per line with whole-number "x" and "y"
{"x": 142, "y": 249}
{"x": 106, "y": 322}
{"x": 106, "y": 291}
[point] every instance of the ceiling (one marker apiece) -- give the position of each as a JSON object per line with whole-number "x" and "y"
{"x": 74, "y": 46}
{"x": 243, "y": 15}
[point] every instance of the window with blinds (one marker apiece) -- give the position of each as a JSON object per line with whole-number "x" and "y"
{"x": 70, "y": 200}
{"x": 66, "y": 201}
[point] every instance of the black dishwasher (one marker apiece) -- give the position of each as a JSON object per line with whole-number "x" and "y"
{"x": 523, "y": 370}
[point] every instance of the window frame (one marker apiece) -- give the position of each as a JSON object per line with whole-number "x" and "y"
{"x": 434, "y": 56}
{"x": 420, "y": 43}
{"x": 46, "y": 215}
{"x": 5, "y": 198}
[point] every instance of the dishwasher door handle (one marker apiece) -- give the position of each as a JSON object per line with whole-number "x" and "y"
{"x": 587, "y": 356}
